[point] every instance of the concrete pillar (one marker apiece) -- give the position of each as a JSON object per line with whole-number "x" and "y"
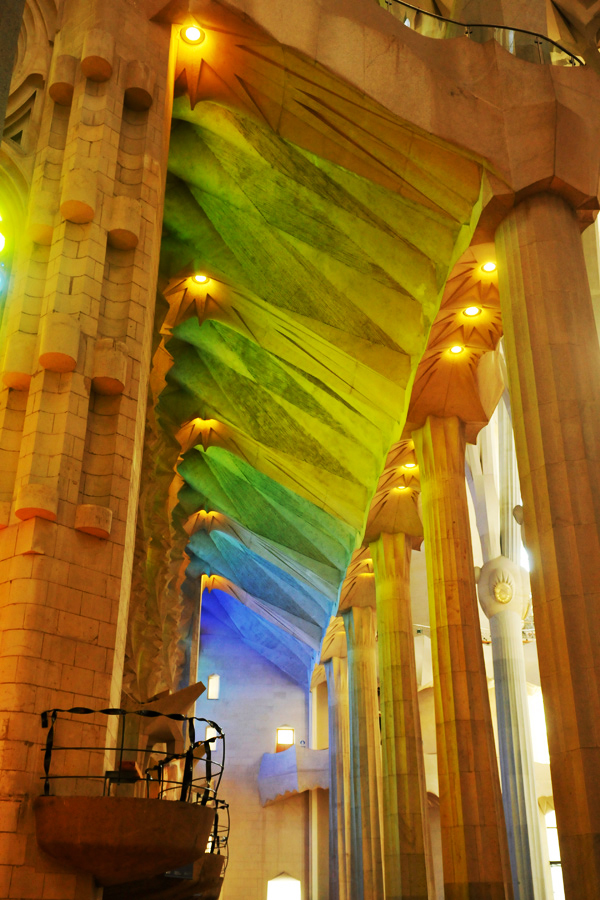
{"x": 504, "y": 601}
{"x": 554, "y": 375}
{"x": 476, "y": 863}
{"x": 407, "y": 845}
{"x": 336, "y": 670}
{"x": 366, "y": 871}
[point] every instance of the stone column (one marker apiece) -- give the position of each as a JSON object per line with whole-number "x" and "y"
{"x": 366, "y": 871}
{"x": 503, "y": 600}
{"x": 336, "y": 670}
{"x": 77, "y": 335}
{"x": 407, "y": 844}
{"x": 476, "y": 863}
{"x": 554, "y": 375}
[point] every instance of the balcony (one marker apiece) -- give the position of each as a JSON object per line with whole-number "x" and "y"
{"x": 153, "y": 810}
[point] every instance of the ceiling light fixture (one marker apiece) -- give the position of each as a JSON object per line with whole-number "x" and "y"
{"x": 201, "y": 279}
{"x": 456, "y": 349}
{"x": 489, "y": 267}
{"x": 191, "y": 34}
{"x": 410, "y": 465}
{"x": 472, "y": 311}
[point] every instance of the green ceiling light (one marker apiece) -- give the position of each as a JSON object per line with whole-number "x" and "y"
{"x": 191, "y": 34}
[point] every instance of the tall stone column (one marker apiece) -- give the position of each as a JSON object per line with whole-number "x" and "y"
{"x": 407, "y": 844}
{"x": 77, "y": 335}
{"x": 502, "y": 597}
{"x": 336, "y": 670}
{"x": 476, "y": 863}
{"x": 366, "y": 871}
{"x": 554, "y": 375}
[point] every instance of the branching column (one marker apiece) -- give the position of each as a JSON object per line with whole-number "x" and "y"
{"x": 336, "y": 670}
{"x": 407, "y": 845}
{"x": 554, "y": 373}
{"x": 366, "y": 874}
{"x": 476, "y": 864}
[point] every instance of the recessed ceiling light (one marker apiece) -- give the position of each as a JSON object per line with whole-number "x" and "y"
{"x": 192, "y": 34}
{"x": 489, "y": 267}
{"x": 410, "y": 465}
{"x": 401, "y": 487}
{"x": 456, "y": 349}
{"x": 472, "y": 311}
{"x": 201, "y": 279}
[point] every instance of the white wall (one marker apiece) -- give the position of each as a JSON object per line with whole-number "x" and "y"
{"x": 255, "y": 698}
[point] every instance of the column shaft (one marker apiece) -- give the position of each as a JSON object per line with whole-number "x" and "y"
{"x": 516, "y": 757}
{"x": 476, "y": 863}
{"x": 554, "y": 372}
{"x": 366, "y": 873}
{"x": 336, "y": 670}
{"x": 407, "y": 844}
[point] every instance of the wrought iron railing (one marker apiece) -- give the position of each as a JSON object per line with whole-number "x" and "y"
{"x": 192, "y": 776}
{"x": 527, "y": 45}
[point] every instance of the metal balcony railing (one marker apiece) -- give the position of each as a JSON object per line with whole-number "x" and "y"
{"x": 191, "y": 776}
{"x": 526, "y": 45}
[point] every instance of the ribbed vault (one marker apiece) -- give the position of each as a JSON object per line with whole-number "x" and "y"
{"x": 286, "y": 377}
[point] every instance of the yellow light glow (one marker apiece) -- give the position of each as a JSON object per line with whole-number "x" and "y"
{"x": 192, "y": 34}
{"x": 2, "y": 242}
{"x": 401, "y": 487}
{"x": 472, "y": 311}
{"x": 201, "y": 279}
{"x": 456, "y": 349}
{"x": 489, "y": 267}
{"x": 410, "y": 465}
{"x": 285, "y": 736}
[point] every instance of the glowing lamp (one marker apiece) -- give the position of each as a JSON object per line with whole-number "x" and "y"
{"x": 489, "y": 267}
{"x": 401, "y": 487}
{"x": 410, "y": 465}
{"x": 456, "y": 349}
{"x": 285, "y": 738}
{"x": 191, "y": 34}
{"x": 201, "y": 279}
{"x": 472, "y": 311}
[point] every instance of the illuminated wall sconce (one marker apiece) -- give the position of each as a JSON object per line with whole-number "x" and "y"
{"x": 214, "y": 685}
{"x": 284, "y": 887}
{"x": 285, "y": 738}
{"x": 211, "y": 733}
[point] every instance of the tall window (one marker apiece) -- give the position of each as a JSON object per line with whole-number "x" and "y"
{"x": 554, "y": 854}
{"x": 284, "y": 887}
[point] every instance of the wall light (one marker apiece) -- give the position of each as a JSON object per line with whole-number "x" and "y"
{"x": 191, "y": 34}
{"x": 214, "y": 684}
{"x": 456, "y": 349}
{"x": 489, "y": 267}
{"x": 472, "y": 311}
{"x": 201, "y": 279}
{"x": 285, "y": 738}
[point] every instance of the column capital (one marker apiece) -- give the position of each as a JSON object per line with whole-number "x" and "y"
{"x": 502, "y": 586}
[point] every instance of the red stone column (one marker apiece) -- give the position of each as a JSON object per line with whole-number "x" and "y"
{"x": 554, "y": 373}
{"x": 476, "y": 864}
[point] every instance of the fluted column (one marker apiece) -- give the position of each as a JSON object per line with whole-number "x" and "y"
{"x": 366, "y": 872}
{"x": 407, "y": 843}
{"x": 336, "y": 670}
{"x": 476, "y": 864}
{"x": 554, "y": 373}
{"x": 503, "y": 601}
